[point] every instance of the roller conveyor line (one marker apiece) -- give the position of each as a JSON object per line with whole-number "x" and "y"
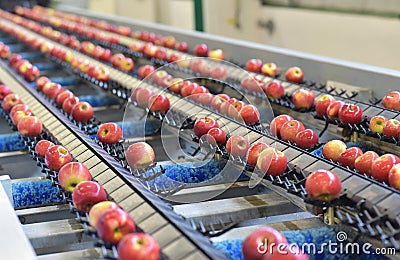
{"x": 304, "y": 162}
{"x": 235, "y": 73}
{"x": 141, "y": 204}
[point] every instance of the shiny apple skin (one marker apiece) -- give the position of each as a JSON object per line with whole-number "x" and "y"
{"x": 323, "y": 185}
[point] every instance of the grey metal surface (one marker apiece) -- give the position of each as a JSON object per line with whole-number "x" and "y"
{"x": 92, "y": 253}
{"x": 44, "y": 213}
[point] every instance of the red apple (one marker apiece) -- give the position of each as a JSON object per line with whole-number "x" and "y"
{"x": 9, "y": 101}
{"x": 22, "y": 66}
{"x": 5, "y": 52}
{"x": 123, "y": 30}
{"x": 149, "y": 49}
{"x": 176, "y": 85}
{"x": 255, "y": 243}
{"x": 333, "y": 109}
{"x": 42, "y": 146}
{"x": 113, "y": 225}
{"x": 4, "y": 91}
{"x": 217, "y": 54}
{"x": 269, "y": 69}
{"x": 19, "y": 107}
{"x": 14, "y": 59}
{"x": 158, "y": 103}
{"x": 349, "y": 156}
{"x": 82, "y": 112}
{"x": 277, "y": 122}
{"x": 272, "y": 161}
{"x": 143, "y": 95}
{"x": 99, "y": 209}
{"x": 195, "y": 94}
{"x": 62, "y": 96}
{"x": 322, "y": 104}
{"x": 303, "y": 99}
{"x": 117, "y": 59}
{"x": 323, "y": 185}
{"x": 29, "y": 125}
{"x": 18, "y": 115}
{"x": 218, "y": 100}
{"x": 363, "y": 164}
{"x": 169, "y": 42}
{"x": 254, "y": 65}
{"x": 216, "y": 135}
{"x": 203, "y": 125}
{"x": 173, "y": 57}
{"x": 253, "y": 84}
{"x": 234, "y": 109}
{"x": 290, "y": 129}
{"x": 71, "y": 174}
{"x": 86, "y": 194}
{"x": 218, "y": 73}
{"x": 377, "y": 123}
{"x": 295, "y": 75}
{"x": 391, "y": 128}
{"x": 249, "y": 114}
{"x": 254, "y": 152}
{"x": 85, "y": 66}
{"x": 69, "y": 103}
{"x": 56, "y": 157}
{"x": 333, "y": 149}
{"x": 205, "y": 99}
{"x": 139, "y": 155}
{"x": 392, "y": 101}
{"x": 201, "y": 50}
{"x": 274, "y": 89}
{"x": 101, "y": 74}
{"x": 382, "y": 165}
{"x": 306, "y": 139}
{"x": 394, "y": 176}
{"x": 160, "y": 53}
{"x": 51, "y": 89}
{"x": 109, "y": 133}
{"x": 126, "y": 64}
{"x": 350, "y": 114}
{"x": 159, "y": 76}
{"x": 183, "y": 47}
{"x": 237, "y": 146}
{"x": 138, "y": 246}
{"x": 187, "y": 88}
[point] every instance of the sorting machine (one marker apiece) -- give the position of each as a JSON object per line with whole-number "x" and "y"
{"x": 192, "y": 210}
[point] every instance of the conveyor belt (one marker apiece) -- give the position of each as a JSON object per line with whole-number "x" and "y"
{"x": 176, "y": 239}
{"x": 357, "y": 187}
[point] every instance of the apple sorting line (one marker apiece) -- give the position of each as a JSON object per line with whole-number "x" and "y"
{"x": 300, "y": 164}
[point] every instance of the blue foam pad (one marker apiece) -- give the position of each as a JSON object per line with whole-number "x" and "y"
{"x": 188, "y": 173}
{"x": 45, "y": 66}
{"x": 30, "y": 55}
{"x": 16, "y": 47}
{"x": 315, "y": 236}
{"x": 100, "y": 100}
{"x": 134, "y": 129}
{"x": 10, "y": 142}
{"x": 38, "y": 192}
{"x": 65, "y": 81}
